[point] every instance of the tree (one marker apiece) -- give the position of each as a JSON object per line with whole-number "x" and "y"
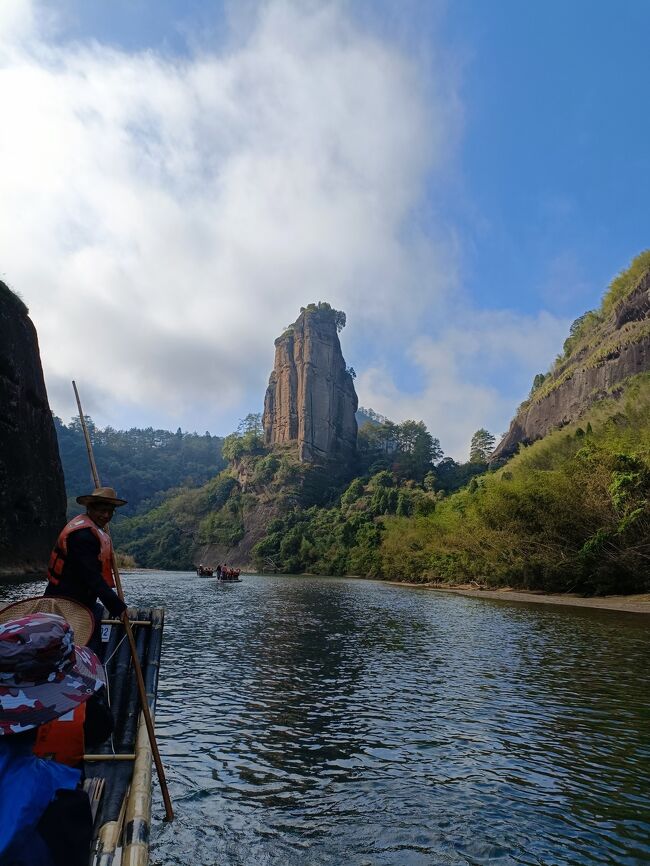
{"x": 323, "y": 306}
{"x": 417, "y": 450}
{"x": 429, "y": 482}
{"x": 252, "y": 423}
{"x": 538, "y": 381}
{"x": 482, "y": 446}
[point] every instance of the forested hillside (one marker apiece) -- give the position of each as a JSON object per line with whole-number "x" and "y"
{"x": 570, "y": 512}
{"x": 268, "y": 496}
{"x": 142, "y": 465}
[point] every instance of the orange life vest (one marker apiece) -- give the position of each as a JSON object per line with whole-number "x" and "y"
{"x": 63, "y": 739}
{"x": 60, "y": 550}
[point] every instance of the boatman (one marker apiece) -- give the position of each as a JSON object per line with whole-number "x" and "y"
{"x": 80, "y": 564}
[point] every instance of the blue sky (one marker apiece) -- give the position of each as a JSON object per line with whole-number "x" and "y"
{"x": 462, "y": 178}
{"x": 555, "y": 154}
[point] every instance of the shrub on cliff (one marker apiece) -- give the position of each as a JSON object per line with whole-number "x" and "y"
{"x": 621, "y": 286}
{"x": 344, "y": 538}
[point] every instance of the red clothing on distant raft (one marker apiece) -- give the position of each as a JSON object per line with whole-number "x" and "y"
{"x": 80, "y": 566}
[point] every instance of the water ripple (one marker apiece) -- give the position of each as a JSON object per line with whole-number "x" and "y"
{"x": 323, "y": 721}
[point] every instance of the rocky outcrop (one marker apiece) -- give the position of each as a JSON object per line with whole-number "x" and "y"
{"x": 615, "y": 350}
{"x": 310, "y": 400}
{"x": 32, "y": 493}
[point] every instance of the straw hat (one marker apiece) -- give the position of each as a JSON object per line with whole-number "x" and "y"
{"x": 78, "y": 615}
{"x": 103, "y": 496}
{"x": 43, "y": 674}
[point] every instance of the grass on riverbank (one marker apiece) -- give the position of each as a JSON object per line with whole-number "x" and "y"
{"x": 569, "y": 514}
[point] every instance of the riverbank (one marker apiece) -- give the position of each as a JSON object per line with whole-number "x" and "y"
{"x": 625, "y": 603}
{"x": 22, "y": 573}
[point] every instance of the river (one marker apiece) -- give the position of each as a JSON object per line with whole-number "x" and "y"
{"x": 334, "y": 721}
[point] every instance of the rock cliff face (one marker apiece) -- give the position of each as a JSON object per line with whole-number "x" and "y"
{"x": 617, "y": 349}
{"x": 311, "y": 399}
{"x": 32, "y": 492}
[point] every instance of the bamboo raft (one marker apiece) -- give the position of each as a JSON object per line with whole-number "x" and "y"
{"x": 119, "y": 775}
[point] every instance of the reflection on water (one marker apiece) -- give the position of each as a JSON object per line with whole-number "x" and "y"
{"x": 324, "y": 721}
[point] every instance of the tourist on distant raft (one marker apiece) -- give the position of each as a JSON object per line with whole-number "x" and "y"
{"x": 45, "y": 817}
{"x": 80, "y": 564}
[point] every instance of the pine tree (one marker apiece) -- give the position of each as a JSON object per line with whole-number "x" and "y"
{"x": 481, "y": 446}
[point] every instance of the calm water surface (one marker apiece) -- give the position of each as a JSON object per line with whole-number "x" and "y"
{"x": 325, "y": 721}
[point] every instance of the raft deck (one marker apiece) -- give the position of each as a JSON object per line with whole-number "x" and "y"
{"x": 123, "y": 819}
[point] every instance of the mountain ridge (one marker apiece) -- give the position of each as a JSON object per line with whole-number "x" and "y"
{"x": 606, "y": 347}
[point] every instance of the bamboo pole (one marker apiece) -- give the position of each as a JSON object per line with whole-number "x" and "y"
{"x": 144, "y": 703}
{"x": 109, "y": 757}
{"x": 132, "y": 621}
{"x": 138, "y": 805}
{"x": 108, "y": 840}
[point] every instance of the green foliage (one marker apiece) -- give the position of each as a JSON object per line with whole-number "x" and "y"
{"x": 216, "y": 512}
{"x": 580, "y": 328}
{"x": 321, "y": 541}
{"x": 219, "y": 489}
{"x": 481, "y": 446}
{"x": 571, "y": 512}
{"x": 247, "y": 440}
{"x": 142, "y": 465}
{"x": 353, "y": 492}
{"x": 452, "y": 476}
{"x": 323, "y": 307}
{"x": 622, "y": 285}
{"x": 252, "y": 423}
{"x": 265, "y": 469}
{"x": 167, "y": 536}
{"x": 538, "y": 381}
{"x": 345, "y": 537}
{"x": 164, "y": 537}
{"x": 586, "y": 343}
{"x": 381, "y": 480}
{"x": 408, "y": 449}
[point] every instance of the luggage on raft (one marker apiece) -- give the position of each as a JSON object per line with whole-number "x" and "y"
{"x": 124, "y": 762}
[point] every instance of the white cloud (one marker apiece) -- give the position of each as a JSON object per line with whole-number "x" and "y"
{"x": 16, "y": 21}
{"x": 174, "y": 214}
{"x": 165, "y": 218}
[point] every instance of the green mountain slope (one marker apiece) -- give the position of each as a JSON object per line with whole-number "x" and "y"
{"x": 569, "y": 513}
{"x": 142, "y": 465}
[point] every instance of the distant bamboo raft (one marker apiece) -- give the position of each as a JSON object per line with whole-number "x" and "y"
{"x": 123, "y": 820}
